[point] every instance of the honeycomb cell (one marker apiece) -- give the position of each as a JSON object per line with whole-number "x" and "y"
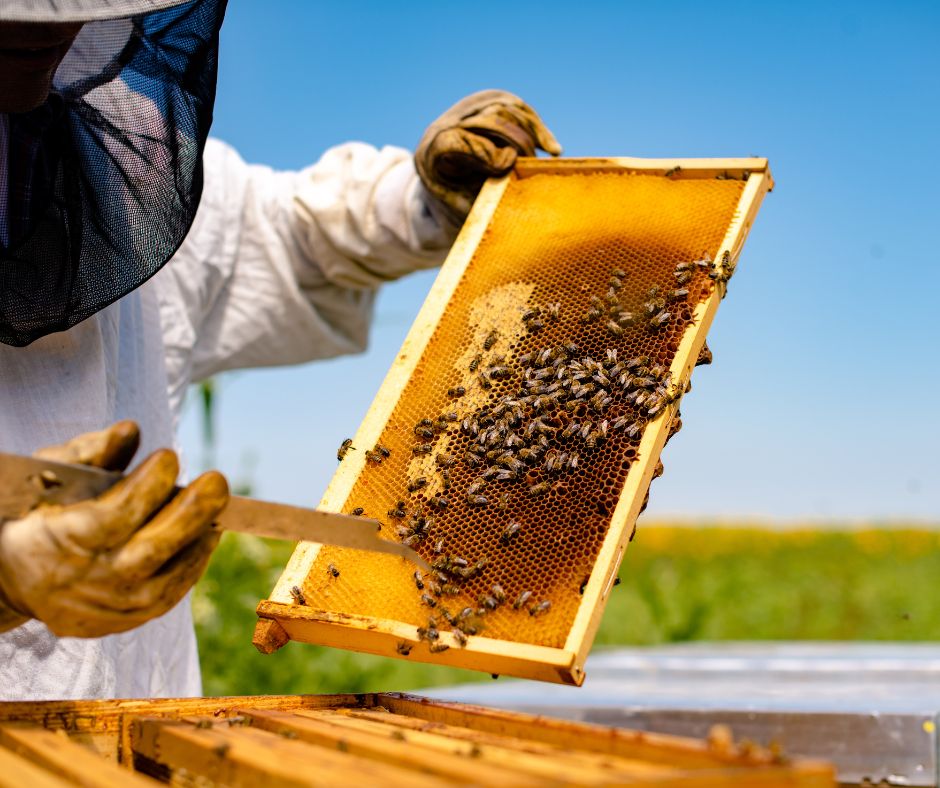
{"x": 561, "y": 332}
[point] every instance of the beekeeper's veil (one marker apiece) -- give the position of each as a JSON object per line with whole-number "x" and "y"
{"x": 103, "y": 180}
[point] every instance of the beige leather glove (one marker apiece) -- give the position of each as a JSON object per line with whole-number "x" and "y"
{"x": 112, "y": 563}
{"x": 478, "y": 138}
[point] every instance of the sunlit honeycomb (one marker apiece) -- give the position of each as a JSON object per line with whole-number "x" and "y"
{"x": 555, "y": 239}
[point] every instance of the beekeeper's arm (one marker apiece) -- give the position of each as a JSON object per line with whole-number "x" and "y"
{"x": 282, "y": 267}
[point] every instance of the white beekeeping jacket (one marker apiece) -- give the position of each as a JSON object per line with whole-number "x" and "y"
{"x": 278, "y": 268}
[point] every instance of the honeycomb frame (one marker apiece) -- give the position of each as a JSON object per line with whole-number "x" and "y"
{"x": 334, "y": 622}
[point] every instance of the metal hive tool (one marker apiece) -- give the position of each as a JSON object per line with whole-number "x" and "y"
{"x": 566, "y": 321}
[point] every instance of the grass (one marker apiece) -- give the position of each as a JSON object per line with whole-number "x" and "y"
{"x": 679, "y": 584}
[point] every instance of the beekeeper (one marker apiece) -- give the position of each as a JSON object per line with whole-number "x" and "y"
{"x": 116, "y": 293}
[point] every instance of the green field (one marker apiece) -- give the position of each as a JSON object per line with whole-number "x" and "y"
{"x": 678, "y": 584}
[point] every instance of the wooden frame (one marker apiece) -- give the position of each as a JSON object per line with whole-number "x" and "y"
{"x": 374, "y": 739}
{"x": 280, "y": 619}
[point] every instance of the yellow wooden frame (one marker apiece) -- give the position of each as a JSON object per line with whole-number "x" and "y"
{"x": 280, "y": 620}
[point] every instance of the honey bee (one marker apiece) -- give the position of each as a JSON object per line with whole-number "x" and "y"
{"x": 590, "y": 316}
{"x": 660, "y": 319}
{"x": 525, "y": 359}
{"x": 490, "y": 339}
{"x": 614, "y": 329}
{"x": 396, "y": 513}
{"x": 683, "y": 267}
{"x": 485, "y": 381}
{"x": 418, "y": 581}
{"x": 374, "y": 457}
{"x": 591, "y": 440}
{"x": 535, "y": 324}
{"x": 429, "y": 634}
{"x": 551, "y": 460}
{"x": 521, "y": 599}
{"x": 403, "y": 648}
{"x": 439, "y": 545}
{"x": 573, "y": 461}
{"x": 421, "y": 448}
{"x": 639, "y": 361}
{"x": 620, "y": 422}
{"x": 346, "y": 447}
{"x": 537, "y": 490}
{"x": 531, "y": 313}
{"x": 553, "y": 312}
{"x": 571, "y": 348}
{"x": 498, "y": 593}
{"x": 460, "y": 636}
{"x": 635, "y": 429}
{"x": 445, "y": 478}
{"x": 653, "y": 291}
{"x": 439, "y": 501}
{"x": 618, "y": 272}
{"x": 433, "y": 587}
{"x": 411, "y": 540}
{"x": 357, "y": 512}
{"x": 541, "y": 607}
{"x": 298, "y": 595}
{"x": 436, "y": 648}
{"x": 678, "y": 295}
{"x": 417, "y": 484}
{"x": 683, "y": 277}
{"x": 510, "y": 532}
{"x": 478, "y": 500}
{"x": 615, "y": 283}
{"x": 500, "y": 372}
{"x": 673, "y": 171}
{"x": 476, "y": 362}
{"x": 705, "y": 262}
{"x": 596, "y": 302}
{"x": 424, "y": 432}
{"x": 457, "y": 391}
{"x": 450, "y": 589}
{"x": 612, "y": 298}
{"x": 429, "y": 600}
{"x": 487, "y": 601}
{"x": 332, "y": 570}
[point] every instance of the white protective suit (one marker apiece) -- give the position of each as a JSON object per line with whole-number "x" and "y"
{"x": 278, "y": 268}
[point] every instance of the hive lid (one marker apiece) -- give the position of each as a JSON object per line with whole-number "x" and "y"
{"x": 559, "y": 336}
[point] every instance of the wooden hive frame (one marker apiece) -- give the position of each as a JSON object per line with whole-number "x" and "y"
{"x": 281, "y": 620}
{"x": 387, "y": 739}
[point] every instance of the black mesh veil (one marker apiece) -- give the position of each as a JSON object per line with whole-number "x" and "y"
{"x": 104, "y": 179}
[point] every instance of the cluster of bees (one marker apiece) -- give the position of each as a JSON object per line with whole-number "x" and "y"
{"x": 561, "y": 405}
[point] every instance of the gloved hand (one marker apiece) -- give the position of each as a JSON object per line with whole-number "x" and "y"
{"x": 111, "y": 563}
{"x": 478, "y": 138}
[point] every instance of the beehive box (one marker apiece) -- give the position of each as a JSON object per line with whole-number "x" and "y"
{"x": 543, "y": 376}
{"x": 385, "y": 740}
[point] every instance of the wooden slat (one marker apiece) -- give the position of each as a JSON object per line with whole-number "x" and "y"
{"x": 17, "y": 772}
{"x": 55, "y": 753}
{"x": 547, "y": 762}
{"x": 608, "y": 764}
{"x": 459, "y": 764}
{"x": 242, "y": 756}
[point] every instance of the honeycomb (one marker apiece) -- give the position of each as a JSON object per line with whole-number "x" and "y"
{"x": 554, "y": 240}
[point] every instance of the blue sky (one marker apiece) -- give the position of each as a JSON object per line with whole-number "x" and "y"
{"x": 822, "y": 401}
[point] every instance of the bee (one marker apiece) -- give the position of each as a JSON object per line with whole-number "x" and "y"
{"x": 403, "y": 648}
{"x": 439, "y": 545}
{"x": 457, "y": 391}
{"x": 445, "y": 478}
{"x": 535, "y": 324}
{"x": 618, "y": 272}
{"x": 424, "y": 432}
{"x": 660, "y": 320}
{"x": 615, "y": 283}
{"x": 573, "y": 461}
{"x": 617, "y": 580}
{"x": 429, "y": 600}
{"x": 374, "y": 457}
{"x": 429, "y": 634}
{"x": 525, "y": 359}
{"x": 498, "y": 593}
{"x": 639, "y": 361}
{"x": 439, "y": 501}
{"x": 590, "y": 316}
{"x": 537, "y": 490}
{"x": 521, "y": 599}
{"x": 421, "y": 448}
{"x": 614, "y": 329}
{"x": 612, "y": 298}
{"x": 620, "y": 422}
{"x": 487, "y": 601}
{"x": 591, "y": 440}
{"x": 553, "y": 311}
{"x": 451, "y": 589}
{"x": 477, "y": 359}
{"x": 705, "y": 262}
{"x": 596, "y": 302}
{"x": 417, "y": 484}
{"x": 510, "y": 532}
{"x": 413, "y": 539}
{"x": 396, "y": 512}
{"x": 529, "y": 314}
{"x": 346, "y": 447}
{"x": 478, "y": 500}
{"x": 433, "y": 587}
{"x": 500, "y": 372}
{"x": 485, "y": 381}
{"x": 570, "y": 348}
{"x": 635, "y": 429}
{"x": 496, "y": 360}
{"x": 490, "y": 339}
{"x": 464, "y": 614}
{"x": 436, "y": 648}
{"x": 460, "y": 636}
{"x": 683, "y": 277}
{"x": 476, "y": 486}
{"x": 678, "y": 295}
{"x": 332, "y": 570}
{"x": 541, "y": 607}
{"x": 418, "y": 581}
{"x": 298, "y": 595}
{"x": 683, "y": 267}
{"x": 445, "y": 460}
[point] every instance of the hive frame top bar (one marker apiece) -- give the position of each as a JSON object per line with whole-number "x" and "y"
{"x": 280, "y": 620}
